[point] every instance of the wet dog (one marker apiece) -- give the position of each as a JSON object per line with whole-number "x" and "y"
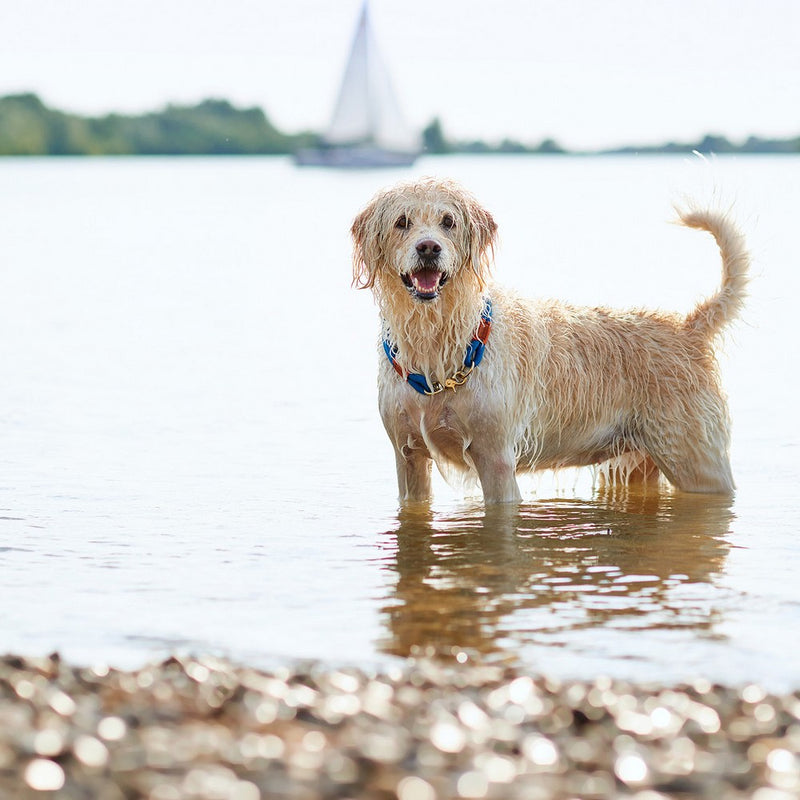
{"x": 488, "y": 384}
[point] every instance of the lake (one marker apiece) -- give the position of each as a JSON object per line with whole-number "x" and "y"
{"x": 191, "y": 458}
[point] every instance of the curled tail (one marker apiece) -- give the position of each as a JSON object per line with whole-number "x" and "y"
{"x": 715, "y": 313}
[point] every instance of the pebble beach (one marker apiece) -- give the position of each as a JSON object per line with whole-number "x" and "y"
{"x": 209, "y": 729}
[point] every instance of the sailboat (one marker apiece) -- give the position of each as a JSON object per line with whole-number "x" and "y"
{"x": 367, "y": 128}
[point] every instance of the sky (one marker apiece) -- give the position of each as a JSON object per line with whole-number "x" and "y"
{"x": 587, "y": 73}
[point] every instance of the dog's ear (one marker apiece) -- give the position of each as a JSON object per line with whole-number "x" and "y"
{"x": 363, "y": 276}
{"x": 483, "y": 234}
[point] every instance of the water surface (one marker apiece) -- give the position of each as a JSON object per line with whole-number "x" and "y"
{"x": 192, "y": 458}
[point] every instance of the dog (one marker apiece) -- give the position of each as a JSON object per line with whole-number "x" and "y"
{"x": 487, "y": 384}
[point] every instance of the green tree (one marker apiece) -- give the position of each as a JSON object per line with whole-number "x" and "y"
{"x": 550, "y": 146}
{"x": 434, "y": 140}
{"x": 23, "y": 130}
{"x": 212, "y": 127}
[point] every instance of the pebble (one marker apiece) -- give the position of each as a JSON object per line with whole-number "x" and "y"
{"x": 208, "y": 729}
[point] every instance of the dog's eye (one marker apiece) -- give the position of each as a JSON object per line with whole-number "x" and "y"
{"x": 448, "y": 221}
{"x": 402, "y": 222}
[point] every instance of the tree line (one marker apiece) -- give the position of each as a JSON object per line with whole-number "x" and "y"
{"x": 215, "y": 127}
{"x": 212, "y": 127}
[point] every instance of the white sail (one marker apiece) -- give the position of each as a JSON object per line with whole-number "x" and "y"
{"x": 367, "y": 112}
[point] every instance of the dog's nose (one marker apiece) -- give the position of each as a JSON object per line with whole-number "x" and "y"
{"x": 429, "y": 248}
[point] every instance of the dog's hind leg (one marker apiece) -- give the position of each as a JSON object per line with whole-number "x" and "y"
{"x": 640, "y": 470}
{"x": 694, "y": 462}
{"x": 633, "y": 468}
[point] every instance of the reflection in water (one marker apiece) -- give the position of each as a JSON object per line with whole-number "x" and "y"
{"x": 497, "y": 580}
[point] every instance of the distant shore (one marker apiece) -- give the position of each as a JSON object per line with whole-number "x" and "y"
{"x": 28, "y": 127}
{"x": 206, "y": 728}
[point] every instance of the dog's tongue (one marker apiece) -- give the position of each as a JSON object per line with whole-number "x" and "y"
{"x": 426, "y": 281}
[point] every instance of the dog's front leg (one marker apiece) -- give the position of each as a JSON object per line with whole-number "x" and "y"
{"x": 412, "y": 457}
{"x": 413, "y": 474}
{"x": 496, "y": 472}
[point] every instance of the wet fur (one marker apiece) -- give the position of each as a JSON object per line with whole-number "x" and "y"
{"x": 637, "y": 392}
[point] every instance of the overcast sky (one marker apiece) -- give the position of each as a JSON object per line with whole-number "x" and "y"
{"x": 589, "y": 73}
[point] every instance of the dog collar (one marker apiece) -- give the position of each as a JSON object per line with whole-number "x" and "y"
{"x": 472, "y": 358}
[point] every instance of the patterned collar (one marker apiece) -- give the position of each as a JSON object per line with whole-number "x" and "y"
{"x": 472, "y": 358}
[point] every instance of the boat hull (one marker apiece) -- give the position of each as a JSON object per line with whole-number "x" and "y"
{"x": 354, "y": 157}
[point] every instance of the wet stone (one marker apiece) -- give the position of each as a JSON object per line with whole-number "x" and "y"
{"x": 423, "y": 730}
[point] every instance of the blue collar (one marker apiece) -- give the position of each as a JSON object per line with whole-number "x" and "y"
{"x": 472, "y": 358}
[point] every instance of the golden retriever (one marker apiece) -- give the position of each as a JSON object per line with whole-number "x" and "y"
{"x": 559, "y": 385}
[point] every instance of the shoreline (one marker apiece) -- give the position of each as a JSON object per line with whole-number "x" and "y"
{"x": 209, "y": 728}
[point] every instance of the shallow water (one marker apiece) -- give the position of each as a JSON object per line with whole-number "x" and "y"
{"x": 192, "y": 459}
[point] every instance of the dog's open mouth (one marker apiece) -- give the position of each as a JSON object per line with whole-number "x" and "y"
{"x": 425, "y": 282}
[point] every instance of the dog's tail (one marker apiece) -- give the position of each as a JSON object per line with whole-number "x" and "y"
{"x": 715, "y": 313}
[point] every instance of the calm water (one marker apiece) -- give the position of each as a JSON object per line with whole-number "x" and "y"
{"x": 191, "y": 457}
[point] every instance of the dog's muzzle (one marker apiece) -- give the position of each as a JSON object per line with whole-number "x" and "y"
{"x": 426, "y": 280}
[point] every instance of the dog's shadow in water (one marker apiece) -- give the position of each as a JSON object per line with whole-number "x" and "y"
{"x": 496, "y": 580}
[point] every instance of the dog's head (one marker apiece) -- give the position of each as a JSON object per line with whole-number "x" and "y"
{"x": 419, "y": 236}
